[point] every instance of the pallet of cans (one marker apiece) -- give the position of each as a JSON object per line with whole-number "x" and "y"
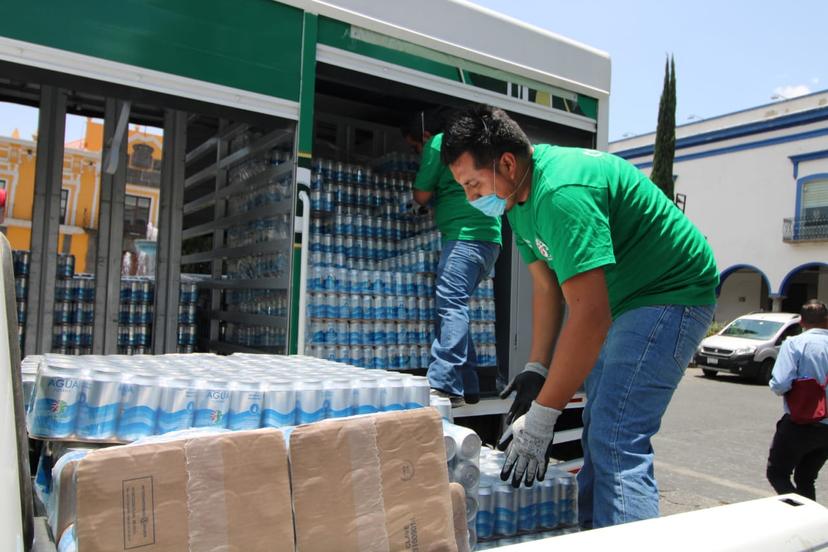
{"x": 526, "y": 512}
{"x": 74, "y": 312}
{"x": 21, "y": 261}
{"x": 187, "y": 314}
{"x": 372, "y": 263}
{"x": 119, "y": 399}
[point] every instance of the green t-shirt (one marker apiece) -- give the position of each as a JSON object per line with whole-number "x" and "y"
{"x": 589, "y": 209}
{"x": 455, "y": 217}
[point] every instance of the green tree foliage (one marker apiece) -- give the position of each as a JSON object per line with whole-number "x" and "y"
{"x": 665, "y": 140}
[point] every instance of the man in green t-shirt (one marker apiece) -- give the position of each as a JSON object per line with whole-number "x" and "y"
{"x": 471, "y": 244}
{"x": 639, "y": 282}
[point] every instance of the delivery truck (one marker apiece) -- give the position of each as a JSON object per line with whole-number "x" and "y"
{"x": 242, "y": 186}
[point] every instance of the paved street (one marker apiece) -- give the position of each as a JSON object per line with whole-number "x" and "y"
{"x": 713, "y": 444}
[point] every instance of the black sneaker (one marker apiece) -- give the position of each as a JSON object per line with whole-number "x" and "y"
{"x": 456, "y": 400}
{"x": 472, "y": 399}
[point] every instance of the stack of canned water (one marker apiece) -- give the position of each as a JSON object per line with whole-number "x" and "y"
{"x": 116, "y": 398}
{"x": 514, "y": 515}
{"x": 259, "y": 231}
{"x": 136, "y": 314}
{"x": 336, "y": 183}
{"x": 21, "y": 290}
{"x": 259, "y": 191}
{"x": 74, "y": 312}
{"x": 187, "y": 298}
{"x": 463, "y": 454}
{"x": 267, "y": 338}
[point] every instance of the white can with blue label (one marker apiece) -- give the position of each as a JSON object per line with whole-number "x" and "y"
{"x": 212, "y": 404}
{"x": 54, "y": 407}
{"x": 246, "y": 400}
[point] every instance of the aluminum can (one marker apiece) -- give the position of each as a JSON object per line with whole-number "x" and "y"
{"x": 367, "y": 357}
{"x": 391, "y": 335}
{"x": 549, "y": 502}
{"x": 135, "y": 291}
{"x": 63, "y": 313}
{"x": 417, "y": 392}
{"x": 485, "y": 513}
{"x": 527, "y": 509}
{"x": 380, "y": 358}
{"x": 55, "y": 402}
{"x": 60, "y": 336}
{"x": 310, "y": 401}
{"x": 338, "y": 398}
{"x": 212, "y": 404}
{"x": 140, "y": 399}
{"x": 21, "y": 312}
{"x": 133, "y": 316}
{"x": 21, "y": 287}
{"x": 568, "y": 505}
{"x": 505, "y": 510}
{"x": 147, "y": 291}
{"x": 356, "y": 333}
{"x": 142, "y": 315}
{"x": 422, "y": 309}
{"x": 279, "y": 404}
{"x": 192, "y": 335}
{"x": 368, "y": 307}
{"x": 246, "y": 400}
{"x": 99, "y": 404}
{"x": 393, "y": 393}
{"x": 367, "y": 396}
{"x": 177, "y": 405}
{"x": 342, "y": 333}
{"x": 75, "y": 331}
{"x": 126, "y": 294}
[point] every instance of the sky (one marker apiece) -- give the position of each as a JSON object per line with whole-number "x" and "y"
{"x": 730, "y": 54}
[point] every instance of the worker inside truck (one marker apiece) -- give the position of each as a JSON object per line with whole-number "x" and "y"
{"x": 471, "y": 244}
{"x": 639, "y": 281}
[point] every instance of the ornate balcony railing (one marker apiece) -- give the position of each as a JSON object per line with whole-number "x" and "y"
{"x": 804, "y": 230}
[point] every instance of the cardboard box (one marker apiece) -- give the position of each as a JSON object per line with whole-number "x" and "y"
{"x": 373, "y": 483}
{"x": 461, "y": 527}
{"x": 225, "y": 492}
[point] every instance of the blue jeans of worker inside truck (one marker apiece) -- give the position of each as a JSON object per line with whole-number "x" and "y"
{"x": 463, "y": 265}
{"x": 641, "y": 363}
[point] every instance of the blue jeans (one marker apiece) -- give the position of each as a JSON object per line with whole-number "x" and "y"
{"x": 642, "y": 361}
{"x": 463, "y": 264}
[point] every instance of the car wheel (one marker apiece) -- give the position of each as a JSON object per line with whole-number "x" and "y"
{"x": 709, "y": 373}
{"x": 765, "y": 371}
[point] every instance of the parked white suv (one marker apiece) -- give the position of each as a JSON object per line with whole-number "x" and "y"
{"x": 747, "y": 346}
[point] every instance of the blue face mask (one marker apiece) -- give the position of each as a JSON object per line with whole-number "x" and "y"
{"x": 492, "y": 204}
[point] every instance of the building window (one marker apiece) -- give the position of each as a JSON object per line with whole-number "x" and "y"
{"x": 814, "y": 202}
{"x": 64, "y": 203}
{"x": 136, "y": 215}
{"x": 141, "y": 156}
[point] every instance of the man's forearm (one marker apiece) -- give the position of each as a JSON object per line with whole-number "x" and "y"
{"x": 576, "y": 352}
{"x": 547, "y": 314}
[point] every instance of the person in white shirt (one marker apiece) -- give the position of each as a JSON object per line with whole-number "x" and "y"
{"x": 800, "y": 449}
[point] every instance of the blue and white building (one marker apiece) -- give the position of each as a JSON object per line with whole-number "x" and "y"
{"x": 756, "y": 183}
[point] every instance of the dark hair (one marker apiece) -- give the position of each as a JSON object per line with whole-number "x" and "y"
{"x": 814, "y": 312}
{"x": 429, "y": 120}
{"x": 485, "y": 132}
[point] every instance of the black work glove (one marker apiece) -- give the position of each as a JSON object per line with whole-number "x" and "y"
{"x": 526, "y": 386}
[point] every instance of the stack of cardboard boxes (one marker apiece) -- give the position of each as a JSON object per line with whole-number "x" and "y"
{"x": 367, "y": 483}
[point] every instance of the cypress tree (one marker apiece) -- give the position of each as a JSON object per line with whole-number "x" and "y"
{"x": 665, "y": 139}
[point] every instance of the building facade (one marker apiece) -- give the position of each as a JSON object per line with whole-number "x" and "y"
{"x": 80, "y": 191}
{"x": 755, "y": 182}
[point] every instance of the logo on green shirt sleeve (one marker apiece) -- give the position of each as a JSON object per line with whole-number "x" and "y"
{"x": 543, "y": 249}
